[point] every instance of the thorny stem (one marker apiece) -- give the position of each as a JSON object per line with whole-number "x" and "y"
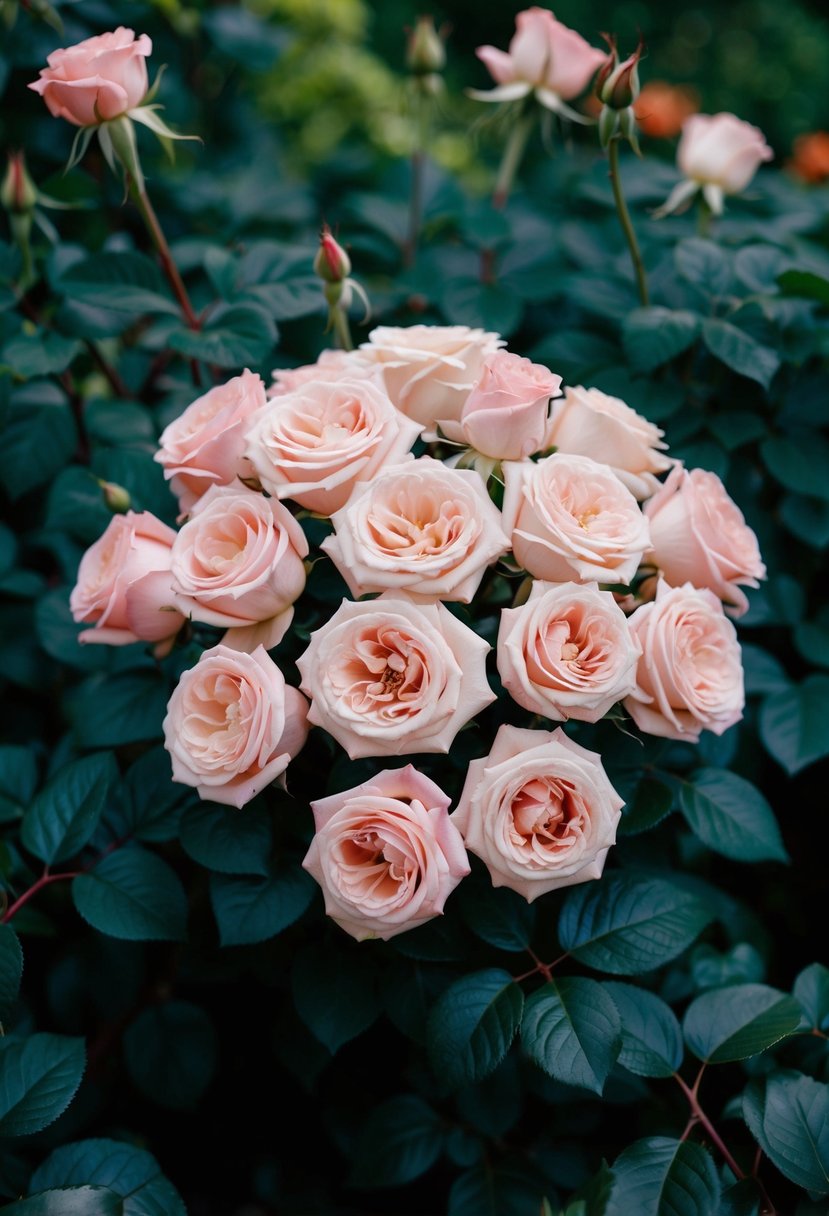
{"x": 626, "y": 222}
{"x": 513, "y": 155}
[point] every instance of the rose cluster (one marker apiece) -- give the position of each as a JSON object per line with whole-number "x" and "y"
{"x": 627, "y": 568}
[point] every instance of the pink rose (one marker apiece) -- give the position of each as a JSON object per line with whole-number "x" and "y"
{"x": 237, "y": 563}
{"x": 690, "y": 676}
{"x": 572, "y": 520}
{"x": 386, "y": 854}
{"x": 589, "y": 423}
{"x": 205, "y": 445}
{"x": 418, "y": 527}
{"x": 315, "y": 443}
{"x": 567, "y": 652}
{"x": 331, "y": 365}
{"x": 699, "y": 536}
{"x": 544, "y": 57}
{"x": 123, "y": 585}
{"x": 506, "y": 414}
{"x": 721, "y": 150}
{"x": 98, "y": 79}
{"x": 539, "y": 811}
{"x": 388, "y": 677}
{"x": 233, "y": 725}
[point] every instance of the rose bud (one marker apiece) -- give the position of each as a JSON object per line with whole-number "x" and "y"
{"x": 18, "y": 193}
{"x": 331, "y": 264}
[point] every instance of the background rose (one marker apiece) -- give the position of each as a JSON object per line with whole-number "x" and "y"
{"x": 506, "y": 414}
{"x": 543, "y": 55}
{"x": 96, "y": 79}
{"x": 539, "y": 811}
{"x": 386, "y": 854}
{"x": 721, "y": 150}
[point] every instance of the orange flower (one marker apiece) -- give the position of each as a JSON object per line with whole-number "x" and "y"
{"x": 661, "y": 108}
{"x": 811, "y": 156}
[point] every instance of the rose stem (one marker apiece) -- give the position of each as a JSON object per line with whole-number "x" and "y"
{"x": 43, "y": 881}
{"x": 342, "y": 330}
{"x": 625, "y": 221}
{"x": 170, "y": 269}
{"x": 418, "y": 162}
{"x": 513, "y": 155}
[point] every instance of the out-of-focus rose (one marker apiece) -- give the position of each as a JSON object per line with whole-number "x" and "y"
{"x": 419, "y": 527}
{"x": 389, "y": 677}
{"x": 567, "y": 652}
{"x": 586, "y": 422}
{"x": 237, "y": 563}
{"x": 572, "y": 520}
{"x": 124, "y": 581}
{"x": 97, "y": 79}
{"x": 506, "y": 414}
{"x": 331, "y": 365}
{"x": 690, "y": 676}
{"x": 721, "y": 150}
{"x": 662, "y": 108}
{"x": 205, "y": 445}
{"x": 386, "y": 854}
{"x": 429, "y": 370}
{"x": 539, "y": 811}
{"x": 233, "y": 725}
{"x": 699, "y": 536}
{"x": 810, "y": 161}
{"x": 314, "y": 444}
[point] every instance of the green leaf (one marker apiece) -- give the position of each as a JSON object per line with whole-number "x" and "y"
{"x": 123, "y": 281}
{"x": 11, "y": 969}
{"x": 805, "y": 284}
{"x": 44, "y": 353}
{"x": 239, "y": 336}
{"x": 652, "y": 336}
{"x": 812, "y": 641}
{"x": 39, "y": 437}
{"x": 131, "y": 1172}
{"x": 70, "y": 1201}
{"x": 497, "y": 915}
{"x": 289, "y": 298}
{"x": 626, "y": 925}
{"x": 799, "y": 462}
{"x": 109, "y": 711}
{"x": 334, "y": 993}
{"x": 793, "y": 723}
{"x": 152, "y": 800}
{"x": 571, "y": 1029}
{"x": 663, "y": 1177}
{"x": 66, "y": 812}
{"x": 39, "y": 1077}
{"x": 506, "y": 1190}
{"x": 18, "y": 780}
{"x": 134, "y": 895}
{"x": 811, "y": 989}
{"x": 739, "y": 351}
{"x": 763, "y": 672}
{"x": 400, "y": 1141}
{"x": 472, "y": 1025}
{"x": 647, "y": 802}
{"x": 486, "y": 306}
{"x": 651, "y": 1037}
{"x": 705, "y": 265}
{"x": 76, "y": 505}
{"x": 789, "y": 1118}
{"x": 253, "y": 909}
{"x": 731, "y": 816}
{"x": 739, "y": 1021}
{"x": 170, "y": 1053}
{"x": 228, "y": 840}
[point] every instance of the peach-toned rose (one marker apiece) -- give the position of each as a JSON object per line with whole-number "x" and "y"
{"x": 567, "y": 652}
{"x": 237, "y": 563}
{"x": 418, "y": 527}
{"x": 572, "y": 520}
{"x": 539, "y": 811}
{"x": 690, "y": 676}
{"x": 315, "y": 443}
{"x": 506, "y": 414}
{"x": 810, "y": 161}
{"x": 386, "y": 854}
{"x": 389, "y": 677}
{"x": 123, "y": 585}
{"x": 233, "y": 725}
{"x": 98, "y": 79}
{"x": 662, "y": 108}
{"x": 699, "y": 536}
{"x": 586, "y": 422}
{"x": 331, "y": 365}
{"x": 205, "y": 445}
{"x": 429, "y": 370}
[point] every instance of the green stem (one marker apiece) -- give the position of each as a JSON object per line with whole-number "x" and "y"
{"x": 418, "y": 164}
{"x": 704, "y": 217}
{"x": 625, "y": 221}
{"x": 342, "y": 330}
{"x": 513, "y": 155}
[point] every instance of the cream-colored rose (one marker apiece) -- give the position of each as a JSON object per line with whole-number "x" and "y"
{"x": 567, "y": 652}
{"x": 539, "y": 811}
{"x": 586, "y": 422}
{"x": 97, "y": 79}
{"x": 572, "y": 520}
{"x": 390, "y": 677}
{"x": 238, "y": 564}
{"x": 331, "y": 365}
{"x": 315, "y": 443}
{"x": 721, "y": 150}
{"x": 386, "y": 854}
{"x": 699, "y": 536}
{"x": 690, "y": 675}
{"x": 233, "y": 725}
{"x": 418, "y": 527}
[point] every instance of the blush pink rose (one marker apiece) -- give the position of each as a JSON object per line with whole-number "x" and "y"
{"x": 586, "y": 422}
{"x": 331, "y": 365}
{"x": 567, "y": 652}
{"x": 690, "y": 676}
{"x": 572, "y": 520}
{"x": 721, "y": 150}
{"x": 544, "y": 56}
{"x": 699, "y": 536}
{"x": 539, "y": 811}
{"x": 98, "y": 79}
{"x": 315, "y": 443}
{"x": 123, "y": 585}
{"x": 507, "y": 413}
{"x": 205, "y": 445}
{"x": 418, "y": 527}
{"x": 233, "y": 725}
{"x": 238, "y": 564}
{"x": 386, "y": 854}
{"x": 390, "y": 677}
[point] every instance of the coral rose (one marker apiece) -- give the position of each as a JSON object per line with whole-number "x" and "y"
{"x": 97, "y": 79}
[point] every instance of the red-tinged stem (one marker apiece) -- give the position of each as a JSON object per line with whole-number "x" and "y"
{"x": 43, "y": 881}
{"x": 700, "y": 1117}
{"x": 540, "y": 968}
{"x": 163, "y": 249}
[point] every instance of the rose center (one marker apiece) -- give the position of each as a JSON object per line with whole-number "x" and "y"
{"x": 569, "y": 652}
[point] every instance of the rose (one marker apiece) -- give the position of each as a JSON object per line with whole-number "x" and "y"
{"x": 567, "y": 652}
{"x": 571, "y": 519}
{"x": 721, "y": 150}
{"x": 429, "y": 370}
{"x": 662, "y": 108}
{"x": 506, "y": 414}
{"x": 690, "y": 675}
{"x": 98, "y": 79}
{"x": 233, "y": 725}
{"x": 544, "y": 56}
{"x": 331, "y": 365}
{"x": 539, "y": 811}
{"x": 699, "y": 536}
{"x": 389, "y": 676}
{"x": 314, "y": 444}
{"x": 204, "y": 446}
{"x": 386, "y": 854}
{"x": 418, "y": 527}
{"x": 589, "y": 423}
{"x": 123, "y": 585}
{"x": 237, "y": 563}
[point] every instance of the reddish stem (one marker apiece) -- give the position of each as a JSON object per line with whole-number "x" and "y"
{"x": 43, "y": 881}
{"x": 163, "y": 249}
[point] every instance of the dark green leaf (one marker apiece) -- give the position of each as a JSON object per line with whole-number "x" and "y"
{"x": 739, "y": 351}
{"x": 497, "y": 915}
{"x": 124, "y": 281}
{"x": 800, "y": 463}
{"x": 472, "y": 1025}
{"x": 39, "y": 1077}
{"x": 651, "y": 1037}
{"x": 170, "y": 1053}
{"x": 11, "y": 969}
{"x": 811, "y": 989}
{"x": 18, "y": 780}
{"x": 731, "y": 816}
{"x": 805, "y": 284}
{"x": 131, "y": 1172}
{"x": 39, "y": 437}
{"x": 486, "y": 306}
{"x": 152, "y": 800}
{"x": 239, "y": 336}
{"x": 132, "y": 894}
{"x": 334, "y": 993}
{"x": 109, "y": 711}
{"x": 789, "y": 1118}
{"x": 571, "y": 1029}
{"x": 228, "y": 840}
{"x": 252, "y": 909}
{"x": 41, "y": 354}
{"x": 65, "y": 813}
{"x": 793, "y": 723}
{"x": 400, "y": 1140}
{"x": 663, "y": 1177}
{"x": 70, "y": 1201}
{"x": 706, "y": 265}
{"x": 739, "y": 1021}
{"x": 647, "y": 802}
{"x": 652, "y": 336}
{"x": 503, "y": 1191}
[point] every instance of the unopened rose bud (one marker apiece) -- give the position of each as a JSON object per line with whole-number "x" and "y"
{"x": 609, "y": 66}
{"x": 425, "y": 52}
{"x": 620, "y": 87}
{"x": 116, "y": 497}
{"x": 332, "y": 264}
{"x": 18, "y": 193}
